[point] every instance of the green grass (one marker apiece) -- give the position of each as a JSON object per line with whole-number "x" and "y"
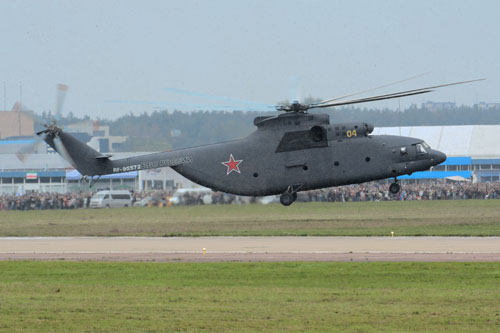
{"x": 424, "y": 218}
{"x": 158, "y": 297}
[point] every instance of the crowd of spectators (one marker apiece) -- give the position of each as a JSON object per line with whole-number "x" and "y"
{"x": 352, "y": 193}
{"x": 424, "y": 191}
{"x": 36, "y": 201}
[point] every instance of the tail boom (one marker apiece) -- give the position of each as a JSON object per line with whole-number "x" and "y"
{"x": 90, "y": 162}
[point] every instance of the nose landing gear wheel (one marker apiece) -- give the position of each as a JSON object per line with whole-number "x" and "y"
{"x": 394, "y": 188}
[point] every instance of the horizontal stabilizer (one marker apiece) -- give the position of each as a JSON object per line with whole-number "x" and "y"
{"x": 103, "y": 157}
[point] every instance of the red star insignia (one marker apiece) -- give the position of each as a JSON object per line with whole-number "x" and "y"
{"x": 232, "y": 165}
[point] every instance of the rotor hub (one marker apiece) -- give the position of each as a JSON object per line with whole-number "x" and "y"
{"x": 294, "y": 107}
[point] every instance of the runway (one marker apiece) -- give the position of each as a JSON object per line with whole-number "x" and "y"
{"x": 190, "y": 249}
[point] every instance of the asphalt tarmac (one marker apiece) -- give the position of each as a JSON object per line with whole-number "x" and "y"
{"x": 272, "y": 249}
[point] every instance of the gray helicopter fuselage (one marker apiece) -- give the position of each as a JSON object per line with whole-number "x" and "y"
{"x": 284, "y": 152}
{"x": 293, "y": 151}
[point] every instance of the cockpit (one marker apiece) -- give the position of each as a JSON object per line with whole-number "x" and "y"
{"x": 422, "y": 148}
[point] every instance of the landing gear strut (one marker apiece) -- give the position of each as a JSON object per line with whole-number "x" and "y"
{"x": 394, "y": 187}
{"x": 290, "y": 195}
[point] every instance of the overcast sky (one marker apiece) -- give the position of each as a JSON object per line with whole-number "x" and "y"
{"x": 251, "y": 50}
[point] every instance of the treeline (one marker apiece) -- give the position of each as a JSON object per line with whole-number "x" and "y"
{"x": 415, "y": 116}
{"x": 177, "y": 129}
{"x": 163, "y": 130}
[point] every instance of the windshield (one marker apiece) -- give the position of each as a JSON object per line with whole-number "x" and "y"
{"x": 421, "y": 149}
{"x": 98, "y": 196}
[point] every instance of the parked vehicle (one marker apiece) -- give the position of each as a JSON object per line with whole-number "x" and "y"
{"x": 205, "y": 194}
{"x": 111, "y": 199}
{"x": 150, "y": 201}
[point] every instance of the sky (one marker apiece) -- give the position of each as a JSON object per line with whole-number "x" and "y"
{"x": 112, "y": 54}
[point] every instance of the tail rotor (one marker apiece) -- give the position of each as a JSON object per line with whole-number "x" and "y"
{"x": 51, "y": 130}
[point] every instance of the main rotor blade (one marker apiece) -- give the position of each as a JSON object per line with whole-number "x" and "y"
{"x": 372, "y": 89}
{"x": 370, "y": 99}
{"x": 215, "y": 97}
{"x": 195, "y": 107}
{"x": 393, "y": 95}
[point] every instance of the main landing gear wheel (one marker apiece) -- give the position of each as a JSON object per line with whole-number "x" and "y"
{"x": 287, "y": 199}
{"x": 290, "y": 195}
{"x": 394, "y": 188}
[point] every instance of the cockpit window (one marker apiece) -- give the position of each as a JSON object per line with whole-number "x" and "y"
{"x": 421, "y": 149}
{"x": 426, "y": 146}
{"x": 403, "y": 151}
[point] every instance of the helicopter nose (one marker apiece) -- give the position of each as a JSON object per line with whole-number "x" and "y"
{"x": 437, "y": 157}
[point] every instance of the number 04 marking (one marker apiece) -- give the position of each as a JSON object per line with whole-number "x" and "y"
{"x": 351, "y": 133}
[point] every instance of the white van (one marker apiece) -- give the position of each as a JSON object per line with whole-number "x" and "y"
{"x": 111, "y": 199}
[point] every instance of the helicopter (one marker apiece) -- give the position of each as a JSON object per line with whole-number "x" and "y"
{"x": 290, "y": 152}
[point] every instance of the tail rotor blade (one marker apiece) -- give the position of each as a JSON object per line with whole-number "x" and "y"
{"x": 62, "y": 150}
{"x": 29, "y": 148}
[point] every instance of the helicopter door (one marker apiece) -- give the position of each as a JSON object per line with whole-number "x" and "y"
{"x": 294, "y": 159}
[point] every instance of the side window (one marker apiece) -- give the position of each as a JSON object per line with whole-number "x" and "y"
{"x": 121, "y": 196}
{"x": 403, "y": 151}
{"x": 106, "y": 196}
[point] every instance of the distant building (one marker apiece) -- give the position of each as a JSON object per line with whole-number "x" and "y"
{"x": 437, "y": 106}
{"x": 98, "y": 135}
{"x": 487, "y": 106}
{"x": 175, "y": 133}
{"x": 16, "y": 123}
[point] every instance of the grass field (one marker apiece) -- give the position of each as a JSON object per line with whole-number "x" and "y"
{"x": 153, "y": 297}
{"x": 423, "y": 218}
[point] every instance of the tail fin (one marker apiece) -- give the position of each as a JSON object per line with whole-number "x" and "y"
{"x": 83, "y": 158}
